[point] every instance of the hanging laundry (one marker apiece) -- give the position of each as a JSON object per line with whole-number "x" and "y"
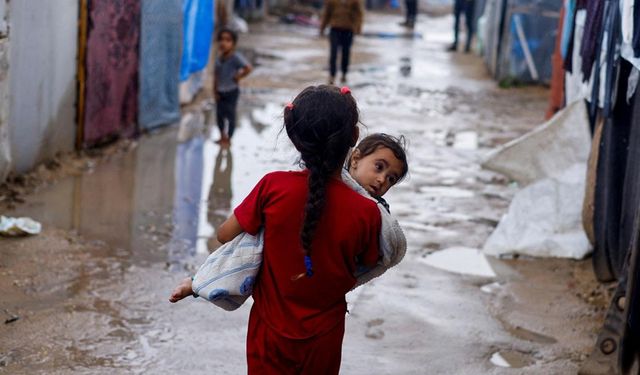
{"x": 592, "y": 34}
{"x": 566, "y": 26}
{"x": 636, "y": 30}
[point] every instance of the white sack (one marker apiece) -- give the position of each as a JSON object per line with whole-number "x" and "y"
{"x": 544, "y": 219}
{"x": 549, "y": 149}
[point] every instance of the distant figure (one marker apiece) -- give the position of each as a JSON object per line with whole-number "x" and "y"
{"x": 344, "y": 18}
{"x": 230, "y": 68}
{"x": 460, "y": 7}
{"x": 412, "y": 12}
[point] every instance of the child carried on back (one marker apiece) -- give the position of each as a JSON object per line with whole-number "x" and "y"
{"x": 377, "y": 163}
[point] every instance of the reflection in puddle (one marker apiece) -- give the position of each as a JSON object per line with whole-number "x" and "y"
{"x": 461, "y": 260}
{"x": 220, "y": 195}
{"x": 512, "y": 359}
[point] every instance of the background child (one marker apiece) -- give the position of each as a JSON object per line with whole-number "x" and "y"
{"x": 314, "y": 228}
{"x": 377, "y": 163}
{"x": 230, "y": 68}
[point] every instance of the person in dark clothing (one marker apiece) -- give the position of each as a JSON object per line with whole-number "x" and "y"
{"x": 461, "y": 7}
{"x": 412, "y": 12}
{"x": 344, "y": 17}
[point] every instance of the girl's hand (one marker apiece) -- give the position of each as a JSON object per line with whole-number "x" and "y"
{"x": 184, "y": 289}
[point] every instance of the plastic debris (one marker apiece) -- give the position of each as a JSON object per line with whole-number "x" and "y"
{"x": 21, "y": 226}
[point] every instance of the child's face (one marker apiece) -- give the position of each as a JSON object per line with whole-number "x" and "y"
{"x": 376, "y": 172}
{"x": 225, "y": 43}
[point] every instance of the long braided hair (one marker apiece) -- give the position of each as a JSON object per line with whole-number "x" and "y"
{"x": 322, "y": 125}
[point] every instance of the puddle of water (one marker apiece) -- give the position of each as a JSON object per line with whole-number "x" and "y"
{"x": 466, "y": 141}
{"x": 510, "y": 359}
{"x": 172, "y": 190}
{"x": 462, "y": 260}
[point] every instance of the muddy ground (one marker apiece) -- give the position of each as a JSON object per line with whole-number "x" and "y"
{"x": 90, "y": 292}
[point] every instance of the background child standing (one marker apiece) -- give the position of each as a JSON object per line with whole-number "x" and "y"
{"x": 230, "y": 68}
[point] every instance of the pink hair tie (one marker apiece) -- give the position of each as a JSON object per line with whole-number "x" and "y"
{"x": 289, "y": 106}
{"x": 345, "y": 90}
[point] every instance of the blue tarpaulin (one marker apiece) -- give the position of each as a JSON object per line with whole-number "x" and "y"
{"x": 198, "y": 30}
{"x": 160, "y": 47}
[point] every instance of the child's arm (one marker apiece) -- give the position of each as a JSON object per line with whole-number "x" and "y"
{"x": 243, "y": 72}
{"x": 229, "y": 229}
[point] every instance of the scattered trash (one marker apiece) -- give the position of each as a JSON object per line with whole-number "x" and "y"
{"x": 21, "y": 226}
{"x": 12, "y": 317}
{"x": 510, "y": 359}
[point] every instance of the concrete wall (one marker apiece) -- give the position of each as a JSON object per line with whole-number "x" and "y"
{"x": 5, "y": 151}
{"x": 42, "y": 86}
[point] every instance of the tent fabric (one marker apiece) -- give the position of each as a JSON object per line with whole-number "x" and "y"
{"x": 520, "y": 38}
{"x": 111, "y": 97}
{"x": 198, "y": 32}
{"x": 610, "y": 179}
{"x": 160, "y": 57}
{"x": 631, "y": 188}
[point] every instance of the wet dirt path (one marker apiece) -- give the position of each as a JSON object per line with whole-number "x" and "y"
{"x": 91, "y": 291}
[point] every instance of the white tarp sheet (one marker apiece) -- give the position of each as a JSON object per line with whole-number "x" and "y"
{"x": 544, "y": 219}
{"x": 549, "y": 149}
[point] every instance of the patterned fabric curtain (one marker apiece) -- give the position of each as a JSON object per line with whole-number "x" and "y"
{"x": 111, "y": 96}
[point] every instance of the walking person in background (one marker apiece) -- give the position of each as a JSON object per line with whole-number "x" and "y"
{"x": 412, "y": 12}
{"x": 461, "y": 7}
{"x": 344, "y": 17}
{"x": 230, "y": 68}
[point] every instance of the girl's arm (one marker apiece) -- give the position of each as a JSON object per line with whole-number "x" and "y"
{"x": 229, "y": 229}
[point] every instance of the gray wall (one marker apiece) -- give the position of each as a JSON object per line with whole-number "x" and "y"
{"x": 5, "y": 152}
{"x": 42, "y": 85}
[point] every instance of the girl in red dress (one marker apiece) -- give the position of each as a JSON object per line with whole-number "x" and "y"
{"x": 317, "y": 231}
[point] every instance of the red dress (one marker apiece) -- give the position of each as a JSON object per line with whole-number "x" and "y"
{"x": 296, "y": 325}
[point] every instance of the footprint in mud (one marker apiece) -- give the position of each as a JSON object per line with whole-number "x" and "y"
{"x": 410, "y": 281}
{"x": 373, "y": 329}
